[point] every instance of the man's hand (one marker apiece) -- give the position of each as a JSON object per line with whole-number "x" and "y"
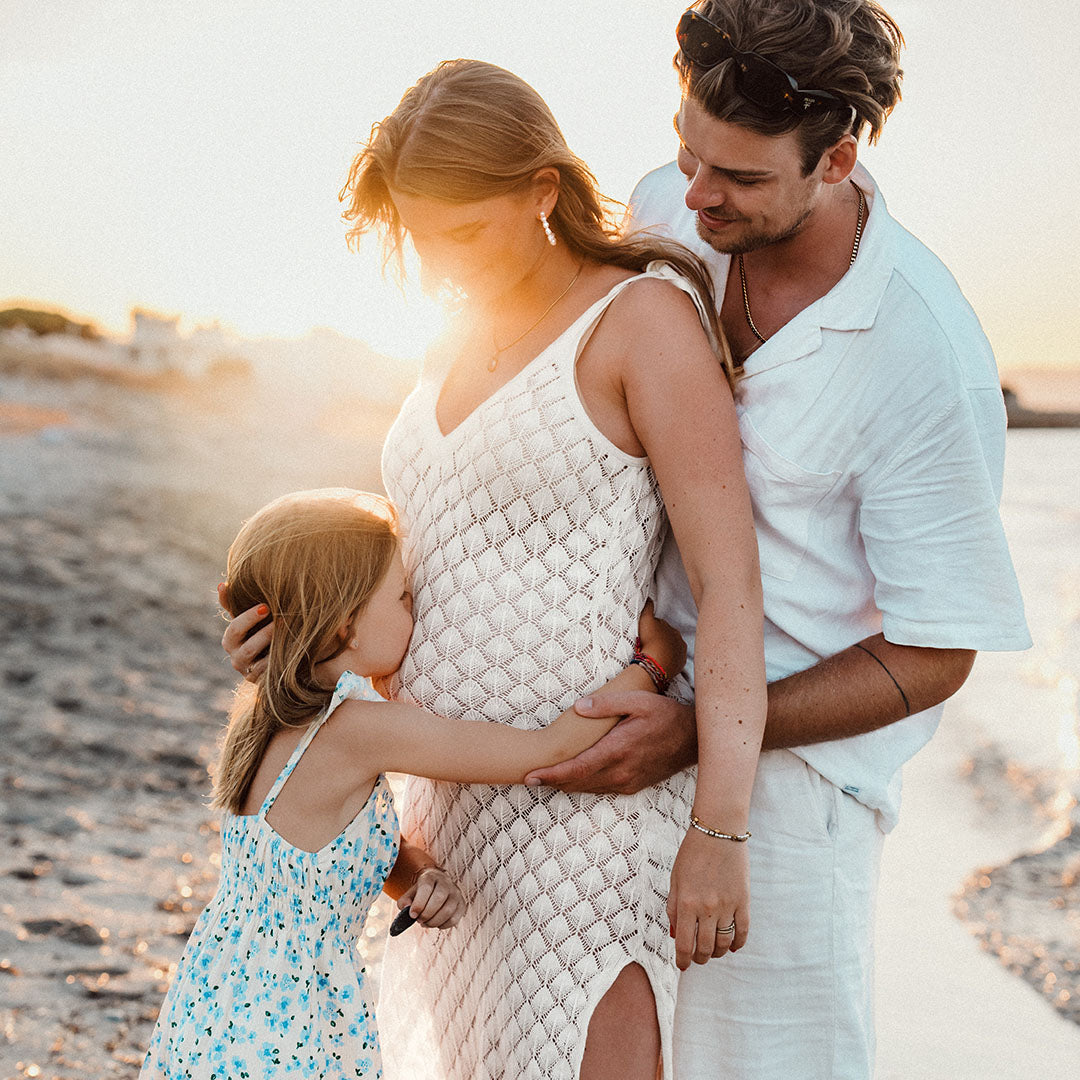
{"x": 657, "y": 738}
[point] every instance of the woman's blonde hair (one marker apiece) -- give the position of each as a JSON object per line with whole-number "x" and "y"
{"x": 314, "y": 558}
{"x": 469, "y": 131}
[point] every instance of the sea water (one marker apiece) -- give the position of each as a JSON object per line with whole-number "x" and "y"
{"x": 1026, "y": 703}
{"x": 974, "y": 897}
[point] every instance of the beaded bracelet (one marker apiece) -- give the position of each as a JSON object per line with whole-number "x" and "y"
{"x": 740, "y": 838}
{"x": 661, "y": 679}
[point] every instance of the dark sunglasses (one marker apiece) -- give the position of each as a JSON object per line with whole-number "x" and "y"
{"x": 760, "y": 81}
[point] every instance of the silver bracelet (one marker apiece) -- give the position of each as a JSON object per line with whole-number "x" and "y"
{"x": 740, "y": 838}
{"x": 424, "y": 870}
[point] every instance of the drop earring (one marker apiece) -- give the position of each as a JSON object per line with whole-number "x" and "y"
{"x": 547, "y": 229}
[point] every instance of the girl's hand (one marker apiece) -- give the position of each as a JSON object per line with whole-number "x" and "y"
{"x": 661, "y": 641}
{"x": 247, "y": 650}
{"x": 709, "y": 890}
{"x": 434, "y": 900}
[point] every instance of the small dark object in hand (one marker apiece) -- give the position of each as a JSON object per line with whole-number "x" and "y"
{"x": 403, "y": 921}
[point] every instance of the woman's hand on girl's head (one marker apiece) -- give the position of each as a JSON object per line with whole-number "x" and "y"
{"x": 433, "y": 899}
{"x": 247, "y": 650}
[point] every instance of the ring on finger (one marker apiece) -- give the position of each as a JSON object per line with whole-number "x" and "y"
{"x": 730, "y": 929}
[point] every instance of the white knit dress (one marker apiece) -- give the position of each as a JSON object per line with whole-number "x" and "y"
{"x": 531, "y": 542}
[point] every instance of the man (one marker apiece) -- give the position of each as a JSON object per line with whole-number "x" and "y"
{"x": 873, "y": 434}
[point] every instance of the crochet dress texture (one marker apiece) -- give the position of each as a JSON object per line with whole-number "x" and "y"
{"x": 270, "y": 983}
{"x": 531, "y": 542}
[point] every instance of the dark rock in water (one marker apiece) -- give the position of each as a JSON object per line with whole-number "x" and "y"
{"x": 62, "y": 827}
{"x": 31, "y": 873}
{"x": 116, "y": 994}
{"x": 126, "y": 853}
{"x": 1022, "y": 417}
{"x": 98, "y": 969}
{"x": 106, "y": 751}
{"x": 18, "y": 676}
{"x": 178, "y": 760}
{"x": 78, "y": 933}
{"x": 76, "y": 878}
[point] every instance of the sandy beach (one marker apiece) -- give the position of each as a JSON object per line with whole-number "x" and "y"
{"x": 118, "y": 498}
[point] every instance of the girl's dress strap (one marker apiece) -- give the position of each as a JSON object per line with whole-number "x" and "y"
{"x": 348, "y": 686}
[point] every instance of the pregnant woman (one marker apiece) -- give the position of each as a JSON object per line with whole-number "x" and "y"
{"x": 528, "y": 468}
{"x": 575, "y": 397}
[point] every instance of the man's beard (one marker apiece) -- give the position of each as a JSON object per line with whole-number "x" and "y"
{"x": 754, "y": 242}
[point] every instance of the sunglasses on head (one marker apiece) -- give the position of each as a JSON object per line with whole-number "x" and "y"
{"x": 760, "y": 81}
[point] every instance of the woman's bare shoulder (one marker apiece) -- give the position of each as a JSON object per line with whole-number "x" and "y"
{"x": 654, "y": 315}
{"x": 650, "y": 298}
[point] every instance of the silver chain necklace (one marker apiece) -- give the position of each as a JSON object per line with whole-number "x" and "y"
{"x": 854, "y": 252}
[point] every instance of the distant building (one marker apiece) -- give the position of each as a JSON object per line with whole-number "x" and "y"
{"x": 158, "y": 345}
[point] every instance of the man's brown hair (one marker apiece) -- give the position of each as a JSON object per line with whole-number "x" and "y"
{"x": 850, "y": 48}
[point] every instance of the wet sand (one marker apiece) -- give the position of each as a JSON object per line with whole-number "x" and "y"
{"x": 947, "y": 1004}
{"x": 117, "y": 501}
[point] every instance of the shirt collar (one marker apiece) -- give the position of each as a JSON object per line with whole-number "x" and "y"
{"x": 851, "y": 304}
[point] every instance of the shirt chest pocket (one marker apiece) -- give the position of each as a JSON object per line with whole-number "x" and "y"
{"x": 785, "y": 498}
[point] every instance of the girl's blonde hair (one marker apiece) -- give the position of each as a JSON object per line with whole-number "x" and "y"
{"x": 469, "y": 131}
{"x": 314, "y": 558}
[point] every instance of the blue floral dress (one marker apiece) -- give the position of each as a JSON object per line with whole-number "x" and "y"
{"x": 271, "y": 984}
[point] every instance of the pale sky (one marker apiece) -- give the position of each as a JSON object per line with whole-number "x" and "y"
{"x": 186, "y": 156}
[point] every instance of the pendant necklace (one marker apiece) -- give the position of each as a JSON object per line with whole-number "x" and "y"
{"x": 493, "y": 363}
{"x": 854, "y": 251}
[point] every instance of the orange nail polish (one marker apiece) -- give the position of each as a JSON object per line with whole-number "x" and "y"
{"x": 262, "y": 609}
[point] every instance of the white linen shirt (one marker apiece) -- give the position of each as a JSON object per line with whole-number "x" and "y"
{"x": 873, "y": 434}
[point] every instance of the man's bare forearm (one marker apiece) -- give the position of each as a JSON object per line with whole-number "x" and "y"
{"x": 865, "y": 687}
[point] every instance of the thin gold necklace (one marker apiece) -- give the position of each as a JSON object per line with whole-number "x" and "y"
{"x": 493, "y": 363}
{"x": 854, "y": 253}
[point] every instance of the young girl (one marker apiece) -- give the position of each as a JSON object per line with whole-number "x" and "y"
{"x": 270, "y": 982}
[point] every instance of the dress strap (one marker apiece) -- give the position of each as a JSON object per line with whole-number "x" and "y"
{"x": 657, "y": 269}
{"x": 348, "y": 686}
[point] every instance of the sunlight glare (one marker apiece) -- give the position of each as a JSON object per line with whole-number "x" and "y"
{"x": 397, "y": 321}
